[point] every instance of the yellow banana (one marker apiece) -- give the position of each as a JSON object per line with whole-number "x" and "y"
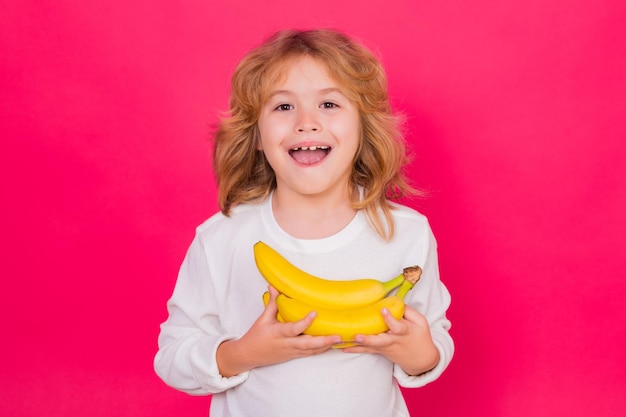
{"x": 411, "y": 275}
{"x": 345, "y": 323}
{"x": 351, "y": 321}
{"x": 320, "y": 292}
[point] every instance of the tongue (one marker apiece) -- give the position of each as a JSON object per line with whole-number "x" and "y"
{"x": 308, "y": 157}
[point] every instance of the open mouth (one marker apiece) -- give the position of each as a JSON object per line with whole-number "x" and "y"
{"x": 309, "y": 155}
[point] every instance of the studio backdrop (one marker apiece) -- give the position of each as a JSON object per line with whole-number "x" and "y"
{"x": 515, "y": 118}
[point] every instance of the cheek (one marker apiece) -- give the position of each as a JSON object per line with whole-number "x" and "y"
{"x": 257, "y": 137}
{"x": 272, "y": 132}
{"x": 261, "y": 133}
{"x": 349, "y": 130}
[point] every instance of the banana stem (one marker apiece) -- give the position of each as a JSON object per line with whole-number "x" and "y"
{"x": 393, "y": 283}
{"x": 410, "y": 276}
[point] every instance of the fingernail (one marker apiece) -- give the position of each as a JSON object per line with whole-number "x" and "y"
{"x": 385, "y": 311}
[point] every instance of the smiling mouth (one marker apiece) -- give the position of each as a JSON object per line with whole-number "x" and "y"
{"x": 309, "y": 155}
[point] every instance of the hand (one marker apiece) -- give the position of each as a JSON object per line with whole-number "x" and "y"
{"x": 269, "y": 341}
{"x": 408, "y": 342}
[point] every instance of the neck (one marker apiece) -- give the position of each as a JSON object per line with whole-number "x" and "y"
{"x": 312, "y": 216}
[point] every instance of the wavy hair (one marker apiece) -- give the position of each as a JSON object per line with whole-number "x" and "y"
{"x": 241, "y": 170}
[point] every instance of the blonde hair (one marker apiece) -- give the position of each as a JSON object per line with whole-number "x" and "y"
{"x": 241, "y": 170}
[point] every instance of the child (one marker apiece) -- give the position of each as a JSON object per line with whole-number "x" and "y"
{"x": 307, "y": 162}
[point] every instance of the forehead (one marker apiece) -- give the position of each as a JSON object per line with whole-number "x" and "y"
{"x": 300, "y": 66}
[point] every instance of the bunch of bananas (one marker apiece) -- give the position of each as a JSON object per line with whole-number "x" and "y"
{"x": 344, "y": 308}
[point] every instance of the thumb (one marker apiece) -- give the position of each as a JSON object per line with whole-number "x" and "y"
{"x": 415, "y": 316}
{"x": 273, "y": 292}
{"x": 269, "y": 299}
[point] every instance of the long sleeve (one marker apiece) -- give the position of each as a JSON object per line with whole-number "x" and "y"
{"x": 189, "y": 338}
{"x": 431, "y": 298}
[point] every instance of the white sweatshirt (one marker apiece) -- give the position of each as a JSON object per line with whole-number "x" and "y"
{"x": 218, "y": 295}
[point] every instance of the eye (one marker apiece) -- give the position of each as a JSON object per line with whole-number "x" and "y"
{"x": 283, "y": 107}
{"x": 328, "y": 105}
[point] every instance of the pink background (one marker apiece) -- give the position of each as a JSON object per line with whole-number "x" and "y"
{"x": 516, "y": 112}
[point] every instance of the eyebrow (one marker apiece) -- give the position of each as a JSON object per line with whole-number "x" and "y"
{"x": 322, "y": 91}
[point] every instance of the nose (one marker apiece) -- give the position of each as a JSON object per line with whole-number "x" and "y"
{"x": 307, "y": 122}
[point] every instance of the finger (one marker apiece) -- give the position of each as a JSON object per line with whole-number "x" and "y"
{"x": 319, "y": 343}
{"x": 273, "y": 292}
{"x": 297, "y": 327}
{"x": 415, "y": 316}
{"x": 369, "y": 343}
{"x": 395, "y": 326}
{"x": 308, "y": 341}
{"x": 270, "y": 303}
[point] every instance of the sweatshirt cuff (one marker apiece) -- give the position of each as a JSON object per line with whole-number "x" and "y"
{"x": 205, "y": 369}
{"x": 415, "y": 381}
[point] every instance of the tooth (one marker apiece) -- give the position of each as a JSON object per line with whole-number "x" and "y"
{"x": 312, "y": 148}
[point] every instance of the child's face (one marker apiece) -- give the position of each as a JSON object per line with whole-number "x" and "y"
{"x": 309, "y": 131}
